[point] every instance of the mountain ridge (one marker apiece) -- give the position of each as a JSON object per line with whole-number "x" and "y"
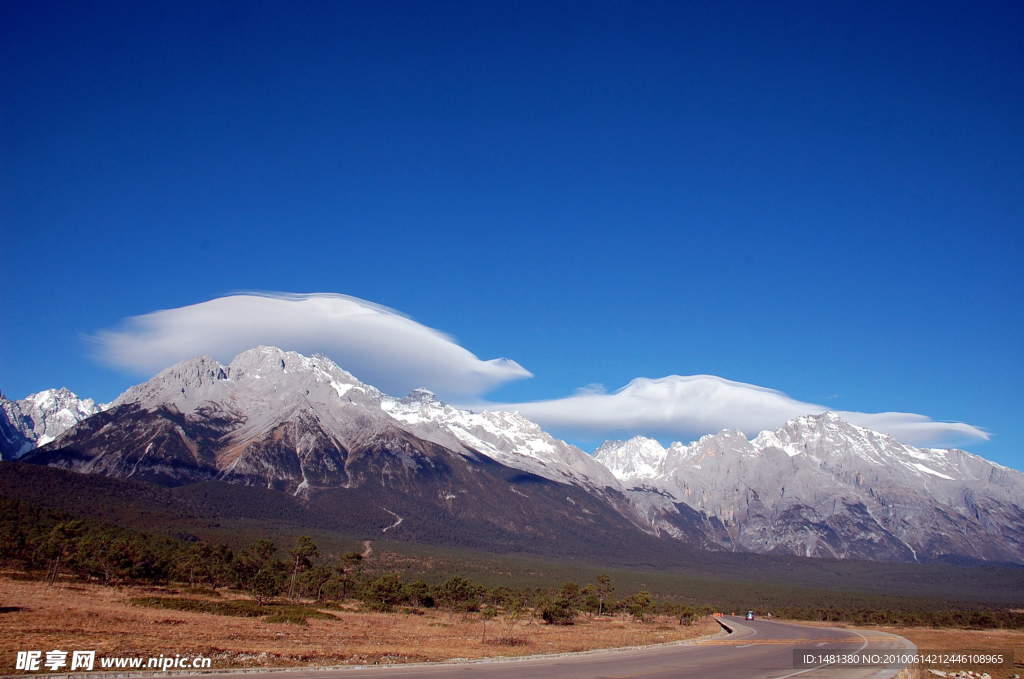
{"x": 817, "y": 486}
{"x": 820, "y": 485}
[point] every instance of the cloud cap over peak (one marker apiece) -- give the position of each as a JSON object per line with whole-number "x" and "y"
{"x": 396, "y": 354}
{"x": 694, "y": 405}
{"x": 378, "y": 345}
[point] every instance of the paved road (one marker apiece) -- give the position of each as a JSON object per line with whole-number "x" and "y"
{"x": 758, "y": 649}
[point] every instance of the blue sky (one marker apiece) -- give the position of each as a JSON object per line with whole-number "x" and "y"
{"x": 819, "y": 198}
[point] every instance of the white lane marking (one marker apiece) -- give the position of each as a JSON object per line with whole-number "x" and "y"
{"x": 753, "y": 632}
{"x": 889, "y": 673}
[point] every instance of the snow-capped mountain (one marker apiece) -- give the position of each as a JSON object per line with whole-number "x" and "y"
{"x": 820, "y": 486}
{"x": 39, "y": 418}
{"x": 304, "y": 426}
{"x": 264, "y": 387}
{"x": 634, "y": 460}
{"x": 414, "y": 468}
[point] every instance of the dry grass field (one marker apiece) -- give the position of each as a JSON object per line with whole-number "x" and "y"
{"x": 73, "y": 616}
{"x": 952, "y": 640}
{"x": 926, "y": 638}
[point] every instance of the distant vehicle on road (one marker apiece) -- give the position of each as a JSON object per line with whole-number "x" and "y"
{"x": 750, "y": 615}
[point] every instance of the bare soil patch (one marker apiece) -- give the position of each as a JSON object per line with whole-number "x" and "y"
{"x": 92, "y": 617}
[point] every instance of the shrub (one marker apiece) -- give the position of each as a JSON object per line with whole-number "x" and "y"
{"x": 264, "y": 586}
{"x": 558, "y": 612}
{"x": 458, "y": 594}
{"x": 290, "y": 617}
{"x": 640, "y": 606}
{"x": 385, "y": 592}
{"x": 241, "y": 609}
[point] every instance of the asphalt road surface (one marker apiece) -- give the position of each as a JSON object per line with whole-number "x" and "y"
{"x": 757, "y": 649}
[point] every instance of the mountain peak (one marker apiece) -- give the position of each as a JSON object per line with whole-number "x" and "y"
{"x": 268, "y": 361}
{"x": 182, "y": 381}
{"x": 639, "y": 457}
{"x": 39, "y": 418}
{"x": 420, "y": 396}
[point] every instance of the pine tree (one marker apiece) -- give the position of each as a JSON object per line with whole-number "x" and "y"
{"x": 604, "y": 590}
{"x": 304, "y": 550}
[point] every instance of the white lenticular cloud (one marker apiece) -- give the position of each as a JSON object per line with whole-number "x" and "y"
{"x": 916, "y": 429}
{"x": 677, "y": 406}
{"x": 396, "y": 354}
{"x": 378, "y": 345}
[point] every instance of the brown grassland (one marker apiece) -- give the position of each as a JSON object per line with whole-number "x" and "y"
{"x": 77, "y": 616}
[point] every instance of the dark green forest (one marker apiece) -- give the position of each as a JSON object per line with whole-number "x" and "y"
{"x": 236, "y": 515}
{"x": 51, "y": 545}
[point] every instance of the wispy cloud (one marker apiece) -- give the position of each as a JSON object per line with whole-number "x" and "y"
{"x": 378, "y": 345}
{"x": 688, "y": 407}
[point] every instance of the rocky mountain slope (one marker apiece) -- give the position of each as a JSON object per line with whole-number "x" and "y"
{"x": 508, "y": 438}
{"x": 38, "y": 419}
{"x": 820, "y": 486}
